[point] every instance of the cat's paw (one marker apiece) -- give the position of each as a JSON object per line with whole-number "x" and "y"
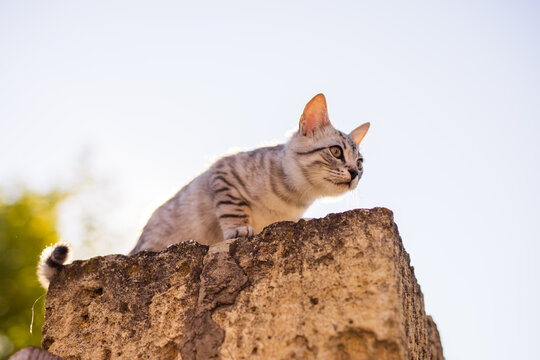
{"x": 239, "y": 232}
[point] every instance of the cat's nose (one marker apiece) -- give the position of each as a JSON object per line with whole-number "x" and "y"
{"x": 354, "y": 173}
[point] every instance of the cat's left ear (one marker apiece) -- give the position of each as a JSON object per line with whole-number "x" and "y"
{"x": 359, "y": 133}
{"x": 315, "y": 115}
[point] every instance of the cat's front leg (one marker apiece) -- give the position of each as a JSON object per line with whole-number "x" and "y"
{"x": 240, "y": 231}
{"x": 232, "y": 210}
{"x": 233, "y": 216}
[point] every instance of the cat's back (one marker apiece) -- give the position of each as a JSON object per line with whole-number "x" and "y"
{"x": 248, "y": 168}
{"x": 188, "y": 215}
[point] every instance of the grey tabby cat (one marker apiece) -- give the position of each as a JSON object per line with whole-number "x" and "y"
{"x": 241, "y": 194}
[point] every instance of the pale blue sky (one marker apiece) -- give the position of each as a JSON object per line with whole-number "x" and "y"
{"x": 154, "y": 91}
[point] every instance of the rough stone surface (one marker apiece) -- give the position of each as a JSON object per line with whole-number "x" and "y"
{"x": 340, "y": 287}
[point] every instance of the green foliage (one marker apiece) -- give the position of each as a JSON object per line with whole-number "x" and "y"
{"x": 28, "y": 224}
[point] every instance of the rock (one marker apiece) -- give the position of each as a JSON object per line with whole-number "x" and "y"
{"x": 340, "y": 287}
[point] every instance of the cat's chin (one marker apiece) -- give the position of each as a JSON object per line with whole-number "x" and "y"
{"x": 338, "y": 188}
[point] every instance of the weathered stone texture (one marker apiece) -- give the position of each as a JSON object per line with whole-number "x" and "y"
{"x": 340, "y": 287}
{"x": 123, "y": 307}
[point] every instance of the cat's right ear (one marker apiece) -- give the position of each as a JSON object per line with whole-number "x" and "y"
{"x": 359, "y": 133}
{"x": 315, "y": 115}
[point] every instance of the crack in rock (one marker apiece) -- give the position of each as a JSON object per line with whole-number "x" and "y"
{"x": 220, "y": 282}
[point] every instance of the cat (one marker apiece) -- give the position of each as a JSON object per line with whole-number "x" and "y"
{"x": 241, "y": 194}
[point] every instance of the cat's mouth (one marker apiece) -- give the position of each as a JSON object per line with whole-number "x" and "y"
{"x": 340, "y": 183}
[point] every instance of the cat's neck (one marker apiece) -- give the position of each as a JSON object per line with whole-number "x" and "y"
{"x": 296, "y": 178}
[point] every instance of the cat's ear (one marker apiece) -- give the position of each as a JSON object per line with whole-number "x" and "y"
{"x": 315, "y": 115}
{"x": 359, "y": 133}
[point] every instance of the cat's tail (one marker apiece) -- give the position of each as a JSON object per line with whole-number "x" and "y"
{"x": 51, "y": 262}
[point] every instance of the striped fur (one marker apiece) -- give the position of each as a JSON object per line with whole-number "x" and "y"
{"x": 241, "y": 194}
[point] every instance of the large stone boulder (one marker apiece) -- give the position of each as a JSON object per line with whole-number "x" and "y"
{"x": 340, "y": 287}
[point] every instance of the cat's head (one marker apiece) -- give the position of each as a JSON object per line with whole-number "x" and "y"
{"x": 328, "y": 158}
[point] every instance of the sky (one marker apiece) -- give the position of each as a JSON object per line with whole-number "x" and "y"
{"x": 143, "y": 96}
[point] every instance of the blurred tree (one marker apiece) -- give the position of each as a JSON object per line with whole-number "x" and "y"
{"x": 28, "y": 224}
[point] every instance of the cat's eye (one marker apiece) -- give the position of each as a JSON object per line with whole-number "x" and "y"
{"x": 336, "y": 151}
{"x": 359, "y": 163}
